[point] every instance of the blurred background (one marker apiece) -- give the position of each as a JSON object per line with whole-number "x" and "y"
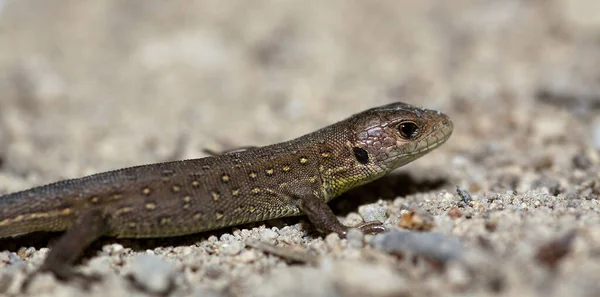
{"x": 88, "y": 86}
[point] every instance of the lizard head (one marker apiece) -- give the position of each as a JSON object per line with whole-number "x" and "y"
{"x": 380, "y": 140}
{"x": 392, "y": 135}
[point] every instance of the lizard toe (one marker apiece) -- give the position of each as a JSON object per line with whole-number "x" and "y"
{"x": 372, "y": 227}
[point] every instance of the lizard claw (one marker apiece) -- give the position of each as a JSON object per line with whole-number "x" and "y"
{"x": 372, "y": 227}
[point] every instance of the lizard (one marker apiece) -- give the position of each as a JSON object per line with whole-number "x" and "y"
{"x": 296, "y": 177}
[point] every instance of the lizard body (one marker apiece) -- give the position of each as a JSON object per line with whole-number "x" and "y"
{"x": 183, "y": 197}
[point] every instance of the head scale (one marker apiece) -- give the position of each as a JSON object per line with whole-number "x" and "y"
{"x": 395, "y": 134}
{"x": 387, "y": 137}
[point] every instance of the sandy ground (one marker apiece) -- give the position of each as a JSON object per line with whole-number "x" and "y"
{"x": 89, "y": 86}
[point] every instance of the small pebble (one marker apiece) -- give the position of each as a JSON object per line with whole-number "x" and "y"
{"x": 245, "y": 233}
{"x": 372, "y": 212}
{"x": 112, "y": 249}
{"x": 455, "y": 213}
{"x": 416, "y": 221}
{"x": 100, "y": 265}
{"x": 26, "y": 252}
{"x": 233, "y": 248}
{"x": 11, "y": 262}
{"x": 227, "y": 237}
{"x": 353, "y": 219}
{"x": 5, "y": 257}
{"x": 152, "y": 273}
{"x": 186, "y": 251}
{"x": 14, "y": 259}
{"x": 333, "y": 241}
{"x": 355, "y": 238}
{"x": 268, "y": 236}
{"x": 435, "y": 246}
{"x": 247, "y": 256}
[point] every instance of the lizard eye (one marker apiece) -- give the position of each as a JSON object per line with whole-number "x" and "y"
{"x": 408, "y": 130}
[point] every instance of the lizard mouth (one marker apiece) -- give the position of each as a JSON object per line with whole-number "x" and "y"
{"x": 439, "y": 134}
{"x": 434, "y": 139}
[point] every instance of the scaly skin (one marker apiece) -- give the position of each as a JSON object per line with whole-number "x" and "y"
{"x": 183, "y": 197}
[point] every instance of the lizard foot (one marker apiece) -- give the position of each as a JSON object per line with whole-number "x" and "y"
{"x": 372, "y": 227}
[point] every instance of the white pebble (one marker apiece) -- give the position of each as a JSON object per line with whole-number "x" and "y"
{"x": 233, "y": 248}
{"x": 268, "y": 236}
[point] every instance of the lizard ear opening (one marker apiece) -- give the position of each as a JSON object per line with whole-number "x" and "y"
{"x": 361, "y": 155}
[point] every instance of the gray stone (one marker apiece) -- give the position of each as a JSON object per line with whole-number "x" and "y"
{"x": 152, "y": 273}
{"x": 435, "y": 246}
{"x": 373, "y": 212}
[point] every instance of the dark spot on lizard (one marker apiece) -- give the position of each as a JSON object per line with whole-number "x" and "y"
{"x": 361, "y": 155}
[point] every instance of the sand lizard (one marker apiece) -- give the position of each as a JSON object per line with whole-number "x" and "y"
{"x": 297, "y": 177}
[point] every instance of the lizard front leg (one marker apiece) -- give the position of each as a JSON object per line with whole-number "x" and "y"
{"x": 323, "y": 218}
